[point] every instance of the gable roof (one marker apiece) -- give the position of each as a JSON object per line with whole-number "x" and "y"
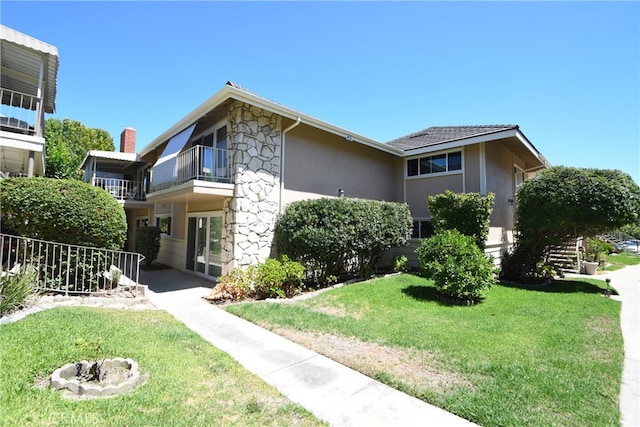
{"x": 232, "y": 90}
{"x": 436, "y": 135}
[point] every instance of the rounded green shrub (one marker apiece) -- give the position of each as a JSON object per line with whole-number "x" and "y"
{"x": 64, "y": 211}
{"x": 333, "y": 237}
{"x": 458, "y": 267}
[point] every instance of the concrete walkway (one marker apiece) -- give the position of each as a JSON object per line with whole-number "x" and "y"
{"x": 331, "y": 391}
{"x": 627, "y": 282}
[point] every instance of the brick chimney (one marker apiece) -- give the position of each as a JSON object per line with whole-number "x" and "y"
{"x": 128, "y": 140}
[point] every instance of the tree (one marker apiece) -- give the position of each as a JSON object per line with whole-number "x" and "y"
{"x": 67, "y": 143}
{"x": 564, "y": 203}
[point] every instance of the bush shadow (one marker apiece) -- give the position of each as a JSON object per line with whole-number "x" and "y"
{"x": 562, "y": 286}
{"x": 429, "y": 293}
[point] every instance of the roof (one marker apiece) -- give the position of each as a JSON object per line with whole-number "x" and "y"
{"x": 22, "y": 56}
{"x": 441, "y": 134}
{"x": 109, "y": 155}
{"x": 234, "y": 91}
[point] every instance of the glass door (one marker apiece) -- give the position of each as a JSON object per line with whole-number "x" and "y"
{"x": 204, "y": 254}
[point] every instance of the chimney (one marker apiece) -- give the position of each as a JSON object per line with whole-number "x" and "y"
{"x": 128, "y": 140}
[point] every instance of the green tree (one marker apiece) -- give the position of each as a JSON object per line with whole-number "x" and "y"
{"x": 564, "y": 203}
{"x": 67, "y": 143}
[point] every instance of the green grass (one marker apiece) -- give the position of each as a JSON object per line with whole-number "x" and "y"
{"x": 190, "y": 382}
{"x": 618, "y": 261}
{"x": 538, "y": 357}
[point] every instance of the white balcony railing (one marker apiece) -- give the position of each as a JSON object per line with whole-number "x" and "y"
{"x": 197, "y": 163}
{"x": 122, "y": 189}
{"x": 21, "y": 113}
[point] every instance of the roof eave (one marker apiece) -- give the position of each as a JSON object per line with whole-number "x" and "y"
{"x": 230, "y": 92}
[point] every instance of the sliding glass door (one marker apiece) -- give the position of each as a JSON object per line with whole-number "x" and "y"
{"x": 204, "y": 253}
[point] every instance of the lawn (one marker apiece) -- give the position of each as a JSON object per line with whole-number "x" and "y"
{"x": 190, "y": 382}
{"x": 618, "y": 261}
{"x": 538, "y": 357}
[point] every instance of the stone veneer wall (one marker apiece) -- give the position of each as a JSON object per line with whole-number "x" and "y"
{"x": 249, "y": 217}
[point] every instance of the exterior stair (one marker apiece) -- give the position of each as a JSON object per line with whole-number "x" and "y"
{"x": 566, "y": 257}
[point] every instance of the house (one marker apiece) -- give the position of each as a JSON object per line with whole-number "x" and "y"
{"x": 28, "y": 91}
{"x": 217, "y": 179}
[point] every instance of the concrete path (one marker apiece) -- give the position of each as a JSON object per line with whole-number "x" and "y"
{"x": 627, "y": 283}
{"x": 331, "y": 391}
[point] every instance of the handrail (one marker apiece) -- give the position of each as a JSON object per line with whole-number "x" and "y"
{"x": 21, "y": 112}
{"x": 121, "y": 189}
{"x": 71, "y": 269}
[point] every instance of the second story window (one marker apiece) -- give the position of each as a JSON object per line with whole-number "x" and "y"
{"x": 439, "y": 163}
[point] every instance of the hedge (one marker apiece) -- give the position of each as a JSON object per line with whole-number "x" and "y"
{"x": 64, "y": 211}
{"x": 332, "y": 237}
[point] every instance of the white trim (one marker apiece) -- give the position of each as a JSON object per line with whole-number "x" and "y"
{"x": 282, "y": 157}
{"x": 482, "y": 159}
{"x": 458, "y": 143}
{"x": 228, "y": 92}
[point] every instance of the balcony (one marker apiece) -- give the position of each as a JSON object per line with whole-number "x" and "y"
{"x": 197, "y": 163}
{"x": 21, "y": 113}
{"x": 122, "y": 189}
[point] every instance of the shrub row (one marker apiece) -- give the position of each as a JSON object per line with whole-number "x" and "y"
{"x": 332, "y": 237}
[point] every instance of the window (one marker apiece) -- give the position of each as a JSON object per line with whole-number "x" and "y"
{"x": 422, "y": 229}
{"x": 439, "y": 163}
{"x": 164, "y": 224}
{"x": 142, "y": 222}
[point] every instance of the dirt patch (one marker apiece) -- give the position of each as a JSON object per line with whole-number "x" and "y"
{"x": 418, "y": 368}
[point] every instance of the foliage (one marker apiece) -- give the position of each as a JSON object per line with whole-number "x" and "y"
{"x": 469, "y": 213}
{"x": 200, "y": 379}
{"x": 632, "y": 230}
{"x": 15, "y": 287}
{"x": 561, "y": 204}
{"x": 458, "y": 267}
{"x": 148, "y": 243}
{"x": 471, "y": 361}
{"x": 341, "y": 236}
{"x": 596, "y": 249}
{"x": 67, "y": 143}
{"x": 271, "y": 279}
{"x": 399, "y": 264}
{"x": 64, "y": 211}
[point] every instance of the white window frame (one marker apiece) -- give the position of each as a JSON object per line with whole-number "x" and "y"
{"x": 434, "y": 174}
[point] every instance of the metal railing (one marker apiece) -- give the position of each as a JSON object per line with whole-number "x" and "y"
{"x": 21, "y": 112}
{"x": 204, "y": 163}
{"x": 122, "y": 189}
{"x": 71, "y": 269}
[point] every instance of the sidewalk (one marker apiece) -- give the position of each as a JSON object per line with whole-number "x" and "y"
{"x": 331, "y": 391}
{"x": 627, "y": 283}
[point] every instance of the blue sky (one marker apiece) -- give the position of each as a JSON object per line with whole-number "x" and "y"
{"x": 567, "y": 72}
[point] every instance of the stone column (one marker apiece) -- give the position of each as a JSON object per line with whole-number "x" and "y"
{"x": 249, "y": 217}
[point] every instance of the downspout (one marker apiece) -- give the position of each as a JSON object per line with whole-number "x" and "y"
{"x": 282, "y": 142}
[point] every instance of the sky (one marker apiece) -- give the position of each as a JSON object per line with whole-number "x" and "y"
{"x": 568, "y": 73}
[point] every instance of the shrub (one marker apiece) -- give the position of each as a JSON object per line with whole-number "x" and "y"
{"x": 148, "y": 243}
{"x": 469, "y": 213}
{"x": 458, "y": 267}
{"x": 64, "y": 211}
{"x": 15, "y": 287}
{"x": 333, "y": 237}
{"x": 596, "y": 249}
{"x": 561, "y": 204}
{"x": 400, "y": 264}
{"x": 271, "y": 279}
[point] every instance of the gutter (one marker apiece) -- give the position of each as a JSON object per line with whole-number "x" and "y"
{"x": 282, "y": 143}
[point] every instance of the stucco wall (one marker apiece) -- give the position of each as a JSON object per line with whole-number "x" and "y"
{"x": 318, "y": 164}
{"x": 419, "y": 188}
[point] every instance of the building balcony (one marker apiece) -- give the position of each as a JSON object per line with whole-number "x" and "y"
{"x": 197, "y": 172}
{"x": 122, "y": 189}
{"x": 21, "y": 113}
